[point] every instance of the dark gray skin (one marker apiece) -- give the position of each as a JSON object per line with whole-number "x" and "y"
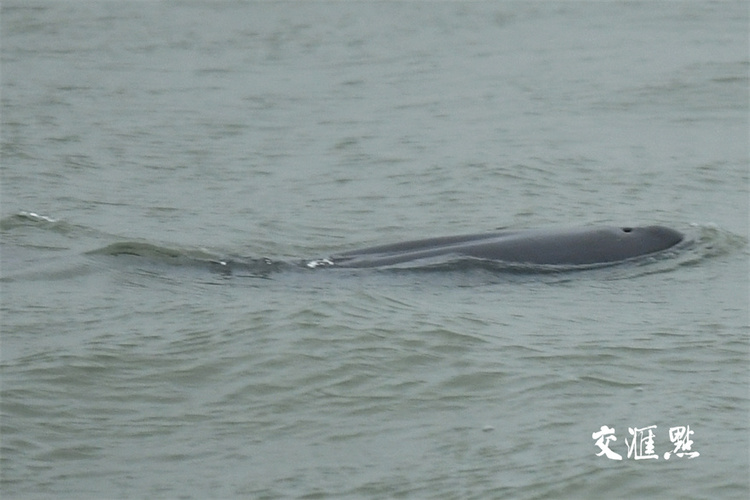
{"x": 565, "y": 247}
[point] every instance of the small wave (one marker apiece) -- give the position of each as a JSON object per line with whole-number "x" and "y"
{"x": 191, "y": 258}
{"x": 706, "y": 241}
{"x": 465, "y": 264}
{"x": 146, "y": 250}
{"x": 36, "y": 217}
{"x": 27, "y": 220}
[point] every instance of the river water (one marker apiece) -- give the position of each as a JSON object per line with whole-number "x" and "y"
{"x": 167, "y": 165}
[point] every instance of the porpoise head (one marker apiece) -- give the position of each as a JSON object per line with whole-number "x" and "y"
{"x": 586, "y": 245}
{"x": 647, "y": 239}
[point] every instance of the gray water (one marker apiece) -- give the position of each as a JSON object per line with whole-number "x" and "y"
{"x": 166, "y": 165}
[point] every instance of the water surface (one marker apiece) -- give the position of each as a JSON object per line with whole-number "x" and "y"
{"x": 222, "y": 143}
